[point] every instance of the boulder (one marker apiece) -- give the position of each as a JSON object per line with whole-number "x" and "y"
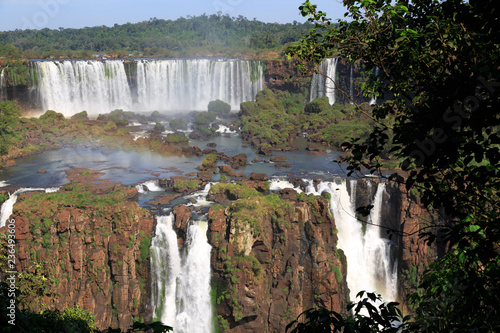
{"x": 259, "y": 176}
{"x": 237, "y": 161}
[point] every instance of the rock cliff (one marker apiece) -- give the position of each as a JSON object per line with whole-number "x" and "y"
{"x": 273, "y": 257}
{"x": 92, "y": 250}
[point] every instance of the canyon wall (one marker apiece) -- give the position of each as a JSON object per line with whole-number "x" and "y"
{"x": 273, "y": 255}
{"x": 87, "y": 246}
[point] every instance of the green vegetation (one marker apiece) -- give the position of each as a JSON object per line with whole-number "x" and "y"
{"x": 178, "y": 124}
{"x": 438, "y": 73}
{"x": 274, "y": 119}
{"x": 180, "y": 184}
{"x": 9, "y": 119}
{"x": 175, "y": 138}
{"x": 144, "y": 246}
{"x": 204, "y": 35}
{"x": 158, "y": 127}
{"x": 234, "y": 191}
{"x": 204, "y": 118}
{"x": 209, "y": 161}
{"x": 80, "y": 116}
{"x": 219, "y": 107}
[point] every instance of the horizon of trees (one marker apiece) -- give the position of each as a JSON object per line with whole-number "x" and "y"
{"x": 202, "y": 35}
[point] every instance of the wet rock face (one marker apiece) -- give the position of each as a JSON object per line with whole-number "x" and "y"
{"x": 269, "y": 269}
{"x": 94, "y": 247}
{"x": 414, "y": 254}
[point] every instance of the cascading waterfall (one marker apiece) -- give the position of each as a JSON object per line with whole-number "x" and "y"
{"x": 373, "y": 100}
{"x": 322, "y": 85}
{"x": 190, "y": 84}
{"x": 70, "y": 87}
{"x": 8, "y": 205}
{"x": 166, "y": 268}
{"x": 3, "y": 86}
{"x": 181, "y": 277}
{"x": 149, "y": 186}
{"x": 194, "y": 310}
{"x": 368, "y": 254}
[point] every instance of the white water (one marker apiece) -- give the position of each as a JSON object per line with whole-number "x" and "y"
{"x": 70, "y": 87}
{"x": 322, "y": 85}
{"x": 164, "y": 85}
{"x": 368, "y": 256}
{"x": 181, "y": 277}
{"x": 277, "y": 184}
{"x": 200, "y": 197}
{"x": 149, "y": 186}
{"x": 3, "y": 86}
{"x": 166, "y": 268}
{"x": 194, "y": 311}
{"x": 8, "y": 205}
{"x": 190, "y": 84}
{"x": 224, "y": 130}
{"x": 373, "y": 100}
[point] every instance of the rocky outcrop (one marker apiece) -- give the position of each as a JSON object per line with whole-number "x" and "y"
{"x": 237, "y": 161}
{"x": 272, "y": 259}
{"x": 414, "y": 254}
{"x": 277, "y": 76}
{"x": 93, "y": 248}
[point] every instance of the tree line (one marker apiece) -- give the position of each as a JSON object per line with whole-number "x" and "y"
{"x": 202, "y": 35}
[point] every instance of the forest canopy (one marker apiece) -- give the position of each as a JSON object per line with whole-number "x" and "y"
{"x": 203, "y": 35}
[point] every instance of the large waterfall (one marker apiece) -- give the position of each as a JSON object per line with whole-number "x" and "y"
{"x": 146, "y": 85}
{"x": 370, "y": 266}
{"x": 181, "y": 277}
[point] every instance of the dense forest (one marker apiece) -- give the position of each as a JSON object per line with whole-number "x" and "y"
{"x": 205, "y": 35}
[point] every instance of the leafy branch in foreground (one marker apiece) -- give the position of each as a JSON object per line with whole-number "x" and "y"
{"x": 438, "y": 80}
{"x": 371, "y": 314}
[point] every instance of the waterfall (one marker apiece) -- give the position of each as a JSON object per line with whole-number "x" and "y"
{"x": 8, "y": 205}
{"x": 149, "y": 186}
{"x": 322, "y": 84}
{"x": 194, "y": 313}
{"x": 164, "y": 85}
{"x": 373, "y": 100}
{"x": 190, "y": 84}
{"x": 181, "y": 277}
{"x": 368, "y": 254}
{"x": 3, "y": 86}
{"x": 70, "y": 87}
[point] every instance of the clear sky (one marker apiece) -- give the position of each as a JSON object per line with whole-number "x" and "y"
{"x": 53, "y": 14}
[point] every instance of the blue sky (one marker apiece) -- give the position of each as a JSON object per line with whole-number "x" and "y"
{"x": 39, "y": 14}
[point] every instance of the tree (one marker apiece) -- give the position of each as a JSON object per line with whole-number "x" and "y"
{"x": 9, "y": 118}
{"x": 438, "y": 76}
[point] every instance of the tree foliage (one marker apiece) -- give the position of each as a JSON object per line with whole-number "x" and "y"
{"x": 437, "y": 65}
{"x": 9, "y": 118}
{"x": 203, "y": 35}
{"x": 370, "y": 314}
